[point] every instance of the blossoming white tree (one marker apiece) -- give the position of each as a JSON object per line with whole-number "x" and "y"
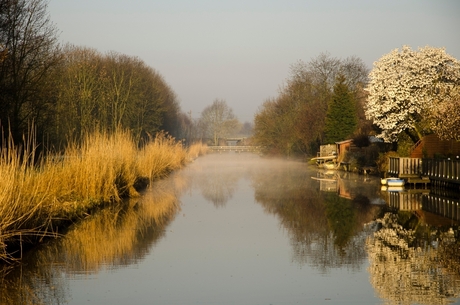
{"x": 445, "y": 116}
{"x": 403, "y": 85}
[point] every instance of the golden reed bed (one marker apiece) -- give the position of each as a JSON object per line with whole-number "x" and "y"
{"x": 39, "y": 196}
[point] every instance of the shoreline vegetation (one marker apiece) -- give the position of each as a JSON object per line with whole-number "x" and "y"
{"x": 41, "y": 197}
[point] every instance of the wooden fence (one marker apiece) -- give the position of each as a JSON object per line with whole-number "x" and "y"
{"x": 441, "y": 171}
{"x": 446, "y": 170}
{"x": 405, "y": 167}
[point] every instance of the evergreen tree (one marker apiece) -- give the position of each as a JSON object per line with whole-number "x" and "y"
{"x": 341, "y": 117}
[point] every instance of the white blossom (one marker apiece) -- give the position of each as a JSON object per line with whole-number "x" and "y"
{"x": 445, "y": 116}
{"x": 403, "y": 85}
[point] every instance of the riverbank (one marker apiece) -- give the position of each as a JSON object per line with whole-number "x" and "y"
{"x": 38, "y": 198}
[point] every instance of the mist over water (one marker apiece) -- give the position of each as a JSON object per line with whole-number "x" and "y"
{"x": 239, "y": 229}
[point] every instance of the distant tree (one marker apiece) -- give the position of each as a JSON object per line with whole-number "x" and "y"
{"x": 185, "y": 128}
{"x": 145, "y": 110}
{"x": 172, "y": 119}
{"x": 247, "y": 129}
{"x": 266, "y": 129}
{"x": 274, "y": 125}
{"x": 28, "y": 48}
{"x": 294, "y": 122}
{"x": 309, "y": 106}
{"x": 341, "y": 117}
{"x": 218, "y": 120}
{"x": 403, "y": 86}
{"x": 121, "y": 73}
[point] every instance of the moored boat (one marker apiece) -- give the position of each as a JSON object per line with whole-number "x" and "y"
{"x": 395, "y": 182}
{"x": 392, "y": 181}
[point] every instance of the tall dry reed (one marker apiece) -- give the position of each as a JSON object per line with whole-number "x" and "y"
{"x": 197, "y": 149}
{"x": 160, "y": 156}
{"x": 25, "y": 195}
{"x": 35, "y": 196}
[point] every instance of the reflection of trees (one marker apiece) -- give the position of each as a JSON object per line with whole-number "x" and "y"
{"x": 217, "y": 185}
{"x": 341, "y": 218}
{"x": 325, "y": 229}
{"x": 218, "y": 176}
{"x": 108, "y": 239}
{"x": 406, "y": 271}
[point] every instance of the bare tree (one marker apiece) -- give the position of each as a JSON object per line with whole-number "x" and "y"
{"x": 218, "y": 120}
{"x": 28, "y": 50}
{"x": 79, "y": 93}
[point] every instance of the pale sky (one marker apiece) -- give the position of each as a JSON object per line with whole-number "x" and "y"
{"x": 241, "y": 50}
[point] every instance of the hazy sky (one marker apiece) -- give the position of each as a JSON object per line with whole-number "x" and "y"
{"x": 241, "y": 50}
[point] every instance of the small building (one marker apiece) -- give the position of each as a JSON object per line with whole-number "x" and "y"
{"x": 431, "y": 146}
{"x": 334, "y": 152}
{"x": 327, "y": 150}
{"x": 343, "y": 147}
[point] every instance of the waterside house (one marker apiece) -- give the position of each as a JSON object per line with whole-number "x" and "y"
{"x": 431, "y": 146}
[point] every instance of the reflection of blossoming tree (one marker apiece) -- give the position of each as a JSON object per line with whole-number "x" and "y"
{"x": 404, "y": 274}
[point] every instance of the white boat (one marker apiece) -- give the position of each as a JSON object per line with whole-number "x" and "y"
{"x": 392, "y": 181}
{"x": 395, "y": 182}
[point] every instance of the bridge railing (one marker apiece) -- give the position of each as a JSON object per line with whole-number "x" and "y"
{"x": 235, "y": 148}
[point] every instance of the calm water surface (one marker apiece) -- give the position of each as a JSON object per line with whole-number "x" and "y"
{"x": 240, "y": 229}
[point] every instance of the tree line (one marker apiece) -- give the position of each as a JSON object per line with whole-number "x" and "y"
{"x": 320, "y": 103}
{"x": 408, "y": 94}
{"x": 66, "y": 92}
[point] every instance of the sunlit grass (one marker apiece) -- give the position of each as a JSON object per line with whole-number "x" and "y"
{"x": 37, "y": 195}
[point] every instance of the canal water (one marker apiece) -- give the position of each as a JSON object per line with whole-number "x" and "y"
{"x": 240, "y": 229}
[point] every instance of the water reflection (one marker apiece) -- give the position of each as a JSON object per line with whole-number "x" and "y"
{"x": 109, "y": 239}
{"x": 324, "y": 216}
{"x": 332, "y": 221}
{"x": 405, "y": 269}
{"x": 215, "y": 182}
{"x": 413, "y": 253}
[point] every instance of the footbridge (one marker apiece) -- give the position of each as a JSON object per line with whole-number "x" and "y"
{"x": 237, "y": 149}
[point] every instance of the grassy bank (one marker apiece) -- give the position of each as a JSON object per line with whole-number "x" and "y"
{"x": 38, "y": 197}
